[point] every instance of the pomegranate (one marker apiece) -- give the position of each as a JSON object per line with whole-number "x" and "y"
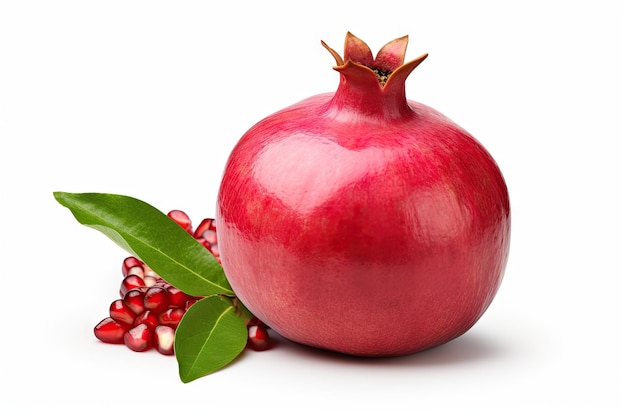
{"x": 362, "y": 222}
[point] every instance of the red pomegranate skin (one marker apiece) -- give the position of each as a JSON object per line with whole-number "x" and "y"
{"x": 363, "y": 223}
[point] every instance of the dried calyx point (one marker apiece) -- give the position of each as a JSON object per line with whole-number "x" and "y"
{"x": 388, "y": 61}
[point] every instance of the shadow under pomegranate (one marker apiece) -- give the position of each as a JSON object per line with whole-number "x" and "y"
{"x": 472, "y": 347}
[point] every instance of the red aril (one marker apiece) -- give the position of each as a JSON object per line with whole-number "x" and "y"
{"x": 176, "y": 297}
{"x": 149, "y": 273}
{"x": 362, "y": 222}
{"x": 149, "y": 318}
{"x": 150, "y": 281}
{"x": 205, "y": 224}
{"x": 130, "y": 262}
{"x": 189, "y": 303}
{"x": 171, "y": 317}
{"x": 164, "y": 339}
{"x": 110, "y": 331}
{"x": 134, "y": 300}
{"x": 139, "y": 338}
{"x": 258, "y": 338}
{"x": 131, "y": 282}
{"x": 182, "y": 219}
{"x": 156, "y": 299}
{"x": 121, "y": 312}
{"x": 205, "y": 234}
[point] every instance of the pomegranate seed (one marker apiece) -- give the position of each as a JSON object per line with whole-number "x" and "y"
{"x": 139, "y": 338}
{"x": 135, "y": 270}
{"x": 129, "y": 263}
{"x": 110, "y": 331}
{"x": 182, "y": 219}
{"x": 258, "y": 338}
{"x": 176, "y": 297}
{"x": 150, "y": 281}
{"x": 156, "y": 299}
{"x": 204, "y": 243}
{"x": 149, "y": 273}
{"x": 162, "y": 284}
{"x": 148, "y": 318}
{"x": 164, "y": 339}
{"x": 134, "y": 300}
{"x": 131, "y": 282}
{"x": 171, "y": 317}
{"x": 210, "y": 236}
{"x": 190, "y": 303}
{"x": 121, "y": 312}
{"x": 204, "y": 225}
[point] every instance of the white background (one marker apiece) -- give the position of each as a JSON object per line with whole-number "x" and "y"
{"x": 148, "y": 98}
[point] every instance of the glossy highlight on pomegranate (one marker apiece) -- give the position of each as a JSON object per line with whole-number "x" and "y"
{"x": 361, "y": 222}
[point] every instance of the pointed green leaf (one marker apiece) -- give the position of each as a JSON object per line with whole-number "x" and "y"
{"x": 209, "y": 337}
{"x": 153, "y": 237}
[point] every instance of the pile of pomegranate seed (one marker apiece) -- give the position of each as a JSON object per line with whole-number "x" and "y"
{"x": 149, "y": 309}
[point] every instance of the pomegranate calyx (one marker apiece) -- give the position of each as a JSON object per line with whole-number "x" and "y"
{"x": 388, "y": 61}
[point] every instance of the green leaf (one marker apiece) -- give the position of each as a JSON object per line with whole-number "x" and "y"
{"x": 153, "y": 237}
{"x": 209, "y": 337}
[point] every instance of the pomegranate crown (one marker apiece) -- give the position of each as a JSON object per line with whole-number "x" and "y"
{"x": 387, "y": 68}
